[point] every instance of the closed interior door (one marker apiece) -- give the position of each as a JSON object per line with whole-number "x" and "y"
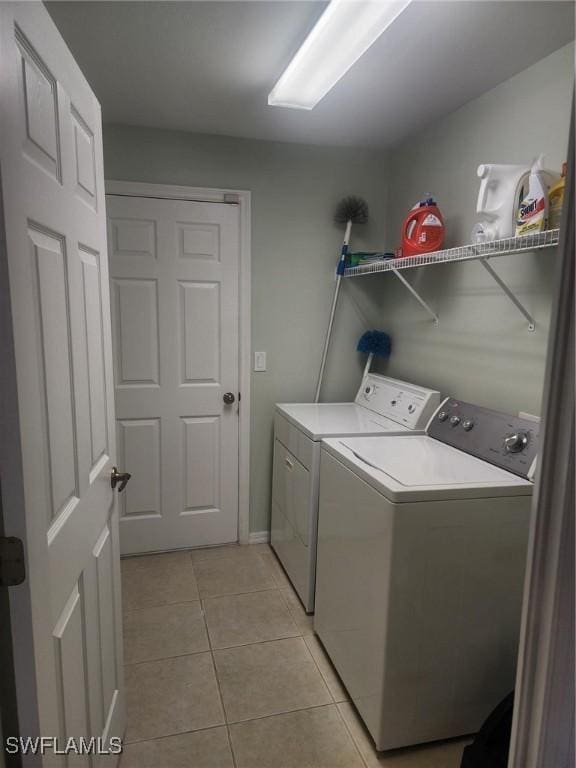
{"x": 57, "y": 396}
{"x": 174, "y": 293}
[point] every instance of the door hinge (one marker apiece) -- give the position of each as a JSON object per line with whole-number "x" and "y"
{"x": 12, "y": 566}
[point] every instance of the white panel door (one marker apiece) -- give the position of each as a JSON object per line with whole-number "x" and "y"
{"x": 58, "y": 441}
{"x": 174, "y": 292}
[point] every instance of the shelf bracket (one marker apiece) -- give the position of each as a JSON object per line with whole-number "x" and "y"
{"x": 417, "y": 296}
{"x": 519, "y": 306}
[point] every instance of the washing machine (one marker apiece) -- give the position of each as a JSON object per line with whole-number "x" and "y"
{"x": 383, "y": 406}
{"x": 421, "y": 555}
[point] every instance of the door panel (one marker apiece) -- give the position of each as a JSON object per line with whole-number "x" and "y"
{"x": 174, "y": 278}
{"x": 94, "y": 323}
{"x": 69, "y": 635}
{"x": 136, "y": 333}
{"x": 139, "y": 446}
{"x": 201, "y": 463}
{"x": 200, "y": 332}
{"x": 57, "y": 380}
{"x": 53, "y": 333}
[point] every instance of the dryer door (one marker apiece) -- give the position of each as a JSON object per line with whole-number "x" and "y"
{"x": 291, "y": 501}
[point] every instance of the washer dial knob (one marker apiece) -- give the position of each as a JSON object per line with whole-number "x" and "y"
{"x": 515, "y": 442}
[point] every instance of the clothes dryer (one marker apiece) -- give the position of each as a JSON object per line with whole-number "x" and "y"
{"x": 383, "y": 406}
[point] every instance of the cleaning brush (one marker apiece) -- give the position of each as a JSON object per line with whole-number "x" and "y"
{"x": 350, "y": 210}
{"x": 353, "y": 209}
{"x": 374, "y": 343}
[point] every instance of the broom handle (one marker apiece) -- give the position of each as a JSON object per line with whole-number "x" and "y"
{"x": 339, "y": 273}
{"x": 368, "y": 365}
{"x": 327, "y": 339}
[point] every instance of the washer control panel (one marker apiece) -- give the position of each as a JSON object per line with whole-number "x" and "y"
{"x": 404, "y": 403}
{"x": 509, "y": 442}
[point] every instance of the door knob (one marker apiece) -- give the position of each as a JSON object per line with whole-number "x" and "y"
{"x": 229, "y": 398}
{"x": 119, "y": 477}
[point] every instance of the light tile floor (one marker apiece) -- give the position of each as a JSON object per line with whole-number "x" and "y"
{"x": 223, "y": 670}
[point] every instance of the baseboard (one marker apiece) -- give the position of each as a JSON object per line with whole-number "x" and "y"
{"x": 259, "y": 537}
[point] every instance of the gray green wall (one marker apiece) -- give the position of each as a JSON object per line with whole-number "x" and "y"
{"x": 294, "y": 250}
{"x": 481, "y": 350}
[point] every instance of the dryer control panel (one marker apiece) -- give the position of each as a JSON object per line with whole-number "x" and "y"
{"x": 404, "y": 403}
{"x": 508, "y": 442}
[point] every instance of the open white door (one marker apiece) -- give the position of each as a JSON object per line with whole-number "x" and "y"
{"x": 58, "y": 442}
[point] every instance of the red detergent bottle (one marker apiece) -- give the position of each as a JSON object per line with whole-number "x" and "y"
{"x": 423, "y": 229}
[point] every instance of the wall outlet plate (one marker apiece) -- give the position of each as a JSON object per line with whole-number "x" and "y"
{"x": 259, "y": 361}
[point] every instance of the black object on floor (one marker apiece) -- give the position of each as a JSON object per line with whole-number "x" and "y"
{"x": 492, "y": 743}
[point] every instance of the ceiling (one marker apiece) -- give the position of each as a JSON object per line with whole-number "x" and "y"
{"x": 207, "y": 67}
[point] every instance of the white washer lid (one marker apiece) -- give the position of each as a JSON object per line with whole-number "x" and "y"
{"x": 419, "y": 467}
{"x": 319, "y": 420}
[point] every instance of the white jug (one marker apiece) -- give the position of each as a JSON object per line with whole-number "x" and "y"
{"x": 500, "y": 191}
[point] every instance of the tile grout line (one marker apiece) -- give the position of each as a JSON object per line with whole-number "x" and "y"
{"x": 349, "y": 732}
{"x": 267, "y": 642}
{"x": 211, "y": 648}
{"x": 255, "y": 642}
{"x": 304, "y": 632}
{"x": 220, "y": 696}
{"x": 231, "y": 746}
{"x": 233, "y": 594}
{"x": 173, "y": 735}
{"x": 160, "y": 605}
{"x": 289, "y": 608}
{"x": 240, "y": 722}
{"x": 165, "y": 658}
{"x": 218, "y": 687}
{"x": 238, "y": 594}
{"x": 282, "y": 713}
{"x": 278, "y": 566}
{"x": 319, "y": 670}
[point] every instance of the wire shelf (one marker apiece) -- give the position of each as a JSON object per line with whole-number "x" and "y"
{"x": 504, "y": 247}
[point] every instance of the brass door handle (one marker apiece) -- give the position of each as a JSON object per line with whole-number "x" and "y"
{"x": 119, "y": 477}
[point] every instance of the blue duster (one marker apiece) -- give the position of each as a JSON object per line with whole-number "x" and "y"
{"x": 374, "y": 343}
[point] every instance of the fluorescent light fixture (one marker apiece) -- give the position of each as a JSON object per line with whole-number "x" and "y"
{"x": 345, "y": 31}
